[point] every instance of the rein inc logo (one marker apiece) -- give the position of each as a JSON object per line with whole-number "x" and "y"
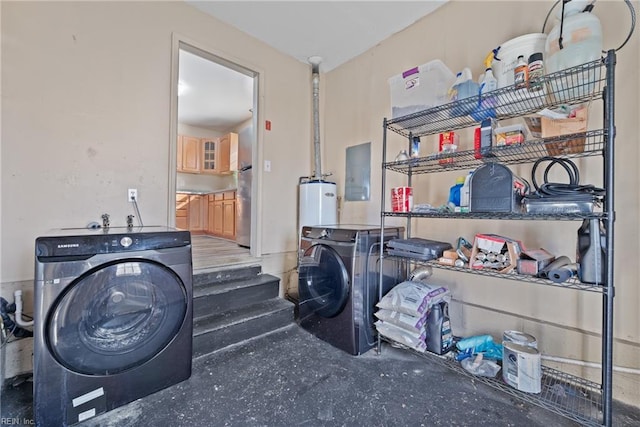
{"x": 16, "y": 421}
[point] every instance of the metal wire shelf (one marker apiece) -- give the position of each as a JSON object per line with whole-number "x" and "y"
{"x": 572, "y": 397}
{"x": 572, "y": 283}
{"x": 571, "y": 86}
{"x": 580, "y": 400}
{"x": 529, "y": 151}
{"x": 499, "y": 215}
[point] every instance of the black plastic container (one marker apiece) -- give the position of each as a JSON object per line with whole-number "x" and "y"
{"x": 591, "y": 252}
{"x": 439, "y": 337}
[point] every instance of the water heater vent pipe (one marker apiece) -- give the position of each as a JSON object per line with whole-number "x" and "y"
{"x": 315, "y": 69}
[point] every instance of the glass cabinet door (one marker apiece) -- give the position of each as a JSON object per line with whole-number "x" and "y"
{"x": 209, "y": 148}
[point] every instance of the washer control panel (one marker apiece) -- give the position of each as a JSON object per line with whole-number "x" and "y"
{"x": 108, "y": 241}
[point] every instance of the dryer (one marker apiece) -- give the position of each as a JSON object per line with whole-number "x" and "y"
{"x": 113, "y": 319}
{"x": 338, "y": 270}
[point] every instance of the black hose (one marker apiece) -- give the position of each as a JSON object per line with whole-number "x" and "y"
{"x": 562, "y": 191}
{"x": 633, "y": 24}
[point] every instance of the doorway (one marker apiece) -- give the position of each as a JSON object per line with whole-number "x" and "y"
{"x": 214, "y": 109}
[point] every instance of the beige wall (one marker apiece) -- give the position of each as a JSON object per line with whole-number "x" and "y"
{"x": 460, "y": 34}
{"x": 86, "y": 115}
{"x": 86, "y": 108}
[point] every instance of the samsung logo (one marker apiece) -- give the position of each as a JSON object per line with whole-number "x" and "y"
{"x": 69, "y": 245}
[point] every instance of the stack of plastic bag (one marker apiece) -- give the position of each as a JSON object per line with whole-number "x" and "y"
{"x": 403, "y": 312}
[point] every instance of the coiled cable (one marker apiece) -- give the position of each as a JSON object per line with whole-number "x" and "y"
{"x": 560, "y": 191}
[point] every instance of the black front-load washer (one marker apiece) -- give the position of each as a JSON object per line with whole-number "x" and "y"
{"x": 113, "y": 319}
{"x": 339, "y": 282}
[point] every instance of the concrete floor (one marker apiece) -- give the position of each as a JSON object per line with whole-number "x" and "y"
{"x": 290, "y": 378}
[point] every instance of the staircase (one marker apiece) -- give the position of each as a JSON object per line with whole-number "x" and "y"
{"x": 234, "y": 305}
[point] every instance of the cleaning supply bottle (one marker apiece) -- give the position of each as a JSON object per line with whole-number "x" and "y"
{"x": 454, "y": 192}
{"x": 464, "y": 87}
{"x": 536, "y": 71}
{"x": 489, "y": 82}
{"x": 521, "y": 73}
{"x": 488, "y": 101}
{"x": 453, "y": 90}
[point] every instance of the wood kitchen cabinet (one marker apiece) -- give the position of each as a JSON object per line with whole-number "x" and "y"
{"x": 222, "y": 215}
{"x": 229, "y": 152}
{"x": 182, "y": 211}
{"x": 195, "y": 213}
{"x": 229, "y": 218}
{"x": 207, "y": 155}
{"x": 217, "y": 215}
{"x": 233, "y": 152}
{"x": 211, "y": 214}
{"x": 210, "y": 155}
{"x": 191, "y": 152}
{"x": 217, "y": 154}
{"x": 191, "y": 212}
{"x": 179, "y": 154}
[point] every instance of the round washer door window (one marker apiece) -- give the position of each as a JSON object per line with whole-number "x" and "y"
{"x": 116, "y": 317}
{"x": 323, "y": 281}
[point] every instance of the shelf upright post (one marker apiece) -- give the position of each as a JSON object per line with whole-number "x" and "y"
{"x": 607, "y": 305}
{"x": 409, "y": 184}
{"x": 383, "y": 191}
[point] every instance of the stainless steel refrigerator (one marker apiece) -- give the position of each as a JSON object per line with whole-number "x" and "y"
{"x": 243, "y": 197}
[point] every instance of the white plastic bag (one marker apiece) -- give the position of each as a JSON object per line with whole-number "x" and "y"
{"x": 479, "y": 366}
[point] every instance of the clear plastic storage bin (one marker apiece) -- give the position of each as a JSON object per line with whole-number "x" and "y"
{"x": 420, "y": 88}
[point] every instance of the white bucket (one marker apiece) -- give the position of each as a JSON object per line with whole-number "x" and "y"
{"x": 521, "y": 367}
{"x": 521, "y": 338}
{"x": 510, "y": 50}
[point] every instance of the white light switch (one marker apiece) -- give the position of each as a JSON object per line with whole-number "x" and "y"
{"x": 267, "y": 165}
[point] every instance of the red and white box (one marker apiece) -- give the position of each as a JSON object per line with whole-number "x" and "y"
{"x": 401, "y": 199}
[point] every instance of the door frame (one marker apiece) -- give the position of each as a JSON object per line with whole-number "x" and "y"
{"x": 179, "y": 42}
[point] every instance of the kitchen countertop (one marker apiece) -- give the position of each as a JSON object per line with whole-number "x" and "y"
{"x": 203, "y": 192}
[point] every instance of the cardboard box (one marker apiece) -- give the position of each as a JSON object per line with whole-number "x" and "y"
{"x": 509, "y": 135}
{"x": 451, "y": 254}
{"x": 495, "y": 244}
{"x": 534, "y": 261}
{"x": 446, "y": 261}
{"x": 534, "y": 124}
{"x": 559, "y": 127}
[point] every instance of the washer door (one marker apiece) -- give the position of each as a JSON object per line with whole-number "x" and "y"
{"x": 323, "y": 281}
{"x": 116, "y": 317}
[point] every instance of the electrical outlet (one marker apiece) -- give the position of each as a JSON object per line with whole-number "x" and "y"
{"x": 132, "y": 195}
{"x": 267, "y": 165}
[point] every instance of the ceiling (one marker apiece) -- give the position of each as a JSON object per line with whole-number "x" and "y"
{"x": 211, "y": 95}
{"x": 337, "y": 31}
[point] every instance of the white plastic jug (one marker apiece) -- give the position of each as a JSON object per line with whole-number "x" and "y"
{"x": 581, "y": 38}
